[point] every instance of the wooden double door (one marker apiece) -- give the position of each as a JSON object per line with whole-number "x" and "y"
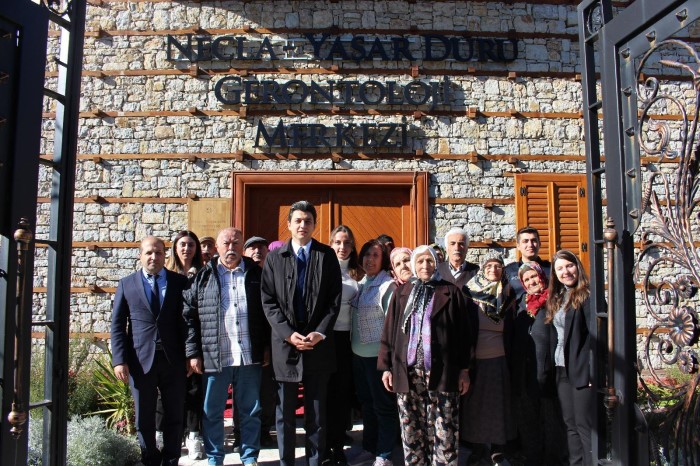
{"x": 370, "y": 203}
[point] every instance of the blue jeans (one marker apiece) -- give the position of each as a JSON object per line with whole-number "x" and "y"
{"x": 246, "y": 391}
{"x": 380, "y": 414}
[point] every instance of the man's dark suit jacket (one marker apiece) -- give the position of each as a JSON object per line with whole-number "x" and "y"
{"x": 446, "y": 274}
{"x": 323, "y": 291}
{"x": 134, "y": 325}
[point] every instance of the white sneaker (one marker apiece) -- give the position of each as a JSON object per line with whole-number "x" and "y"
{"x": 361, "y": 458}
{"x": 379, "y": 461}
{"x": 195, "y": 448}
{"x": 159, "y": 439}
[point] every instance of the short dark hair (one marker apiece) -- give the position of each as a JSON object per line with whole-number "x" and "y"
{"x": 386, "y": 264}
{"x": 304, "y": 206}
{"x": 527, "y": 229}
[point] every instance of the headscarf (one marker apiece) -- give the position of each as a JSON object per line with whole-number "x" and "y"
{"x": 422, "y": 292}
{"x": 274, "y": 245}
{"x": 418, "y": 311}
{"x": 536, "y": 301}
{"x": 490, "y": 296}
{"x": 395, "y": 252}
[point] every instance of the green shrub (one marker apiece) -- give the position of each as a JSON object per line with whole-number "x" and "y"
{"x": 115, "y": 398}
{"x": 35, "y": 441}
{"x": 90, "y": 443}
{"x": 82, "y": 396}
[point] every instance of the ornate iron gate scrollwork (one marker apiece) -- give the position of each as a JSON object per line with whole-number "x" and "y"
{"x": 649, "y": 95}
{"x": 669, "y": 238}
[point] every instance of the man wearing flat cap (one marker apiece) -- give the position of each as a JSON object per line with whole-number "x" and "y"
{"x": 208, "y": 245}
{"x": 255, "y": 247}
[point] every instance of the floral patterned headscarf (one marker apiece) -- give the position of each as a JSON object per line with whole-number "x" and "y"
{"x": 536, "y": 301}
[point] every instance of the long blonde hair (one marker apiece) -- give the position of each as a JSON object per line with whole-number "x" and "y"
{"x": 557, "y": 290}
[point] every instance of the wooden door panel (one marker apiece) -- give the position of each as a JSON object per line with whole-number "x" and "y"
{"x": 370, "y": 213}
{"x": 267, "y": 210}
{"x": 371, "y": 203}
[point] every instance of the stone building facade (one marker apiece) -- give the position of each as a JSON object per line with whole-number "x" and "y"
{"x": 502, "y": 100}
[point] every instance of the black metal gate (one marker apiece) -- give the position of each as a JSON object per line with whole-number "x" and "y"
{"x": 648, "y": 91}
{"x": 24, "y": 28}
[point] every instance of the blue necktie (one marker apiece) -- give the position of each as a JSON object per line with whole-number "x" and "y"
{"x": 299, "y": 301}
{"x": 155, "y": 296}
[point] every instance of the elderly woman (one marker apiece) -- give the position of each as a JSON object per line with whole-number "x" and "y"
{"x": 486, "y": 417}
{"x": 538, "y": 418}
{"x": 424, "y": 354}
{"x": 341, "y": 381}
{"x": 379, "y": 416}
{"x": 400, "y": 259}
{"x": 185, "y": 254}
{"x": 569, "y": 310}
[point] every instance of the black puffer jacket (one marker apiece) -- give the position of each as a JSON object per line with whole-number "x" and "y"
{"x": 202, "y": 311}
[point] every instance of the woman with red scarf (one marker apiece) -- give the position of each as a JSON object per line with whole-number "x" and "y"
{"x": 538, "y": 417}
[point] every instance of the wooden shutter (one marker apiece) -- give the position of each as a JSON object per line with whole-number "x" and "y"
{"x": 556, "y": 205}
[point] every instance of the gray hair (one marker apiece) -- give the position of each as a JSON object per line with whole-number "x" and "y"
{"x": 457, "y": 231}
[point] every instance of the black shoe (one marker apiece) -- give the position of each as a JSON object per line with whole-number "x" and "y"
{"x": 236, "y": 445}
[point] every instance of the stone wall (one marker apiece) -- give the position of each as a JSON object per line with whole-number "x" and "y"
{"x": 147, "y": 102}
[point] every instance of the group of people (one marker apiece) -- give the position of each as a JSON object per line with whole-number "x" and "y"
{"x": 445, "y": 355}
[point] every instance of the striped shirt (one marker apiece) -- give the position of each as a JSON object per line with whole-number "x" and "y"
{"x": 234, "y": 335}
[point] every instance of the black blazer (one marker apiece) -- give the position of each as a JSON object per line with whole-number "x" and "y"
{"x": 450, "y": 344}
{"x": 323, "y": 293}
{"x": 577, "y": 346}
{"x": 135, "y": 328}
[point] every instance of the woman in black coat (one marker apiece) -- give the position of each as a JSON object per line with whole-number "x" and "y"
{"x": 569, "y": 309}
{"x": 538, "y": 416}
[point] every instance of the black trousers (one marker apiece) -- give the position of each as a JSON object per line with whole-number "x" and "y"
{"x": 315, "y": 399}
{"x": 576, "y": 406}
{"x": 194, "y": 405}
{"x": 341, "y": 386}
{"x": 169, "y": 379}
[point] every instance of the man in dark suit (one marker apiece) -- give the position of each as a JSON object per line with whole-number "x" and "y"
{"x": 301, "y": 289}
{"x": 148, "y": 349}
{"x": 456, "y": 269}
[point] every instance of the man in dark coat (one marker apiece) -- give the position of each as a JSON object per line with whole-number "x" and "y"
{"x": 227, "y": 341}
{"x": 301, "y": 290}
{"x": 456, "y": 269}
{"x": 148, "y": 349}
